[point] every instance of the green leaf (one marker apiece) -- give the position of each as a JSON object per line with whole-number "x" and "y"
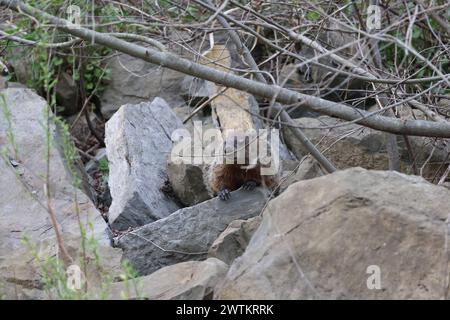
{"x": 313, "y": 15}
{"x": 417, "y": 32}
{"x": 103, "y": 166}
{"x": 98, "y": 72}
{"x": 57, "y": 61}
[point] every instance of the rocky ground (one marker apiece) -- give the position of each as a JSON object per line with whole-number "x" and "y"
{"x": 319, "y": 238}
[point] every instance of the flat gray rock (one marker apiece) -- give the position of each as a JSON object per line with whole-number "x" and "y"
{"x": 188, "y": 233}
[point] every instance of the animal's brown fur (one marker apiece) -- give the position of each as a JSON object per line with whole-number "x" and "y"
{"x": 221, "y": 176}
{"x": 233, "y": 176}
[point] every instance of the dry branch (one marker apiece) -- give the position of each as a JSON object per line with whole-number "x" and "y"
{"x": 282, "y": 95}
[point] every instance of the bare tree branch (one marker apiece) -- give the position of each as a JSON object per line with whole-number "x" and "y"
{"x": 328, "y": 166}
{"x": 285, "y": 96}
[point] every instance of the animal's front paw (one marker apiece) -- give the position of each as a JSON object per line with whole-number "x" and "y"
{"x": 249, "y": 185}
{"x": 224, "y": 194}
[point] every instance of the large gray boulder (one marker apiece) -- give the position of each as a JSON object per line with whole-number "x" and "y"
{"x": 346, "y": 146}
{"x": 23, "y": 176}
{"x": 351, "y": 145}
{"x": 134, "y": 80}
{"x": 191, "y": 280}
{"x": 23, "y": 200}
{"x": 188, "y": 233}
{"x": 353, "y": 234}
{"x": 138, "y": 142}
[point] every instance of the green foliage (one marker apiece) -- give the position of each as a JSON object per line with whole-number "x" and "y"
{"x": 95, "y": 73}
{"x": 70, "y": 152}
{"x": 45, "y": 64}
{"x": 131, "y": 282}
{"x": 103, "y": 167}
{"x": 55, "y": 277}
{"x": 420, "y": 40}
{"x": 189, "y": 13}
{"x": 13, "y": 149}
{"x": 313, "y": 15}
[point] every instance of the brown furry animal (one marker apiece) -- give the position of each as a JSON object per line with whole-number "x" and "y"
{"x": 223, "y": 178}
